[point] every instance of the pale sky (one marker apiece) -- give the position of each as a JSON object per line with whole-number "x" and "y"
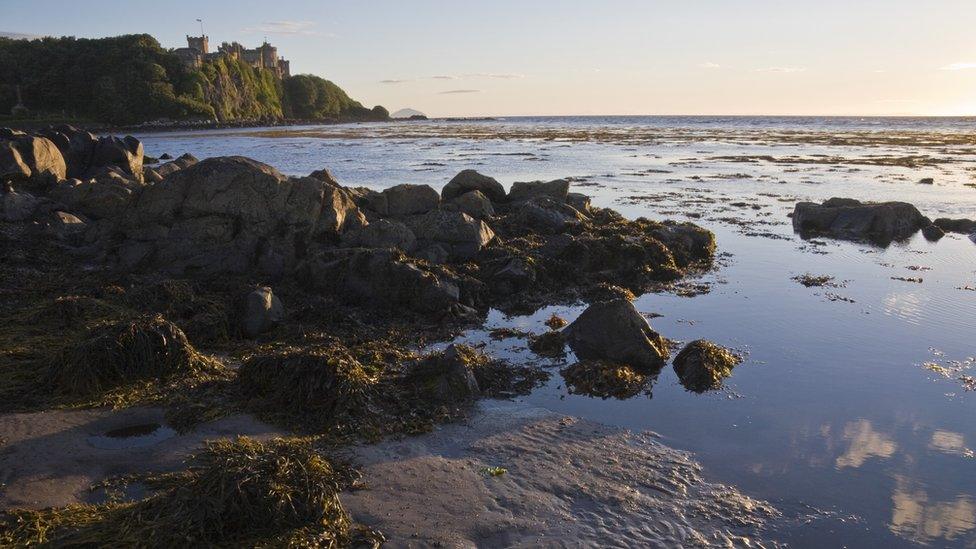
{"x": 547, "y": 57}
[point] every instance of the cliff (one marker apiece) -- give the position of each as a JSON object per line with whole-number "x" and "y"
{"x": 132, "y": 79}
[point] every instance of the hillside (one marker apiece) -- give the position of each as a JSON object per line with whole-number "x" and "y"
{"x": 132, "y": 79}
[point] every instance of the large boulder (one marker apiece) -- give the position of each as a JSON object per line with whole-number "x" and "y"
{"x": 17, "y": 206}
{"x": 382, "y": 233}
{"x": 846, "y": 218}
{"x": 470, "y": 180}
{"x": 262, "y": 311}
{"x": 31, "y": 159}
{"x": 557, "y": 190}
{"x": 384, "y": 278}
{"x": 615, "y": 331}
{"x": 460, "y": 234}
{"x": 702, "y": 365}
{"x": 125, "y": 153}
{"x": 404, "y": 200}
{"x": 232, "y": 214}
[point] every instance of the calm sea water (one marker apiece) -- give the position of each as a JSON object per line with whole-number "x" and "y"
{"x": 851, "y": 412}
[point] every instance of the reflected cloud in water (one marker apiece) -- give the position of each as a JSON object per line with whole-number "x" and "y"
{"x": 916, "y": 518}
{"x": 865, "y": 443}
{"x": 950, "y": 443}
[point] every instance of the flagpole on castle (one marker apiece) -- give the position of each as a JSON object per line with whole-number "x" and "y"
{"x": 201, "y": 26}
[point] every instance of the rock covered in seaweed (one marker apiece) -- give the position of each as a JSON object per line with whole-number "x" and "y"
{"x": 702, "y": 365}
{"x": 846, "y": 218}
{"x": 616, "y": 331}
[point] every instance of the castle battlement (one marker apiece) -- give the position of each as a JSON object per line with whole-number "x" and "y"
{"x": 264, "y": 56}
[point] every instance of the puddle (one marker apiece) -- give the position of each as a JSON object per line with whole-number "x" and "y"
{"x": 132, "y": 436}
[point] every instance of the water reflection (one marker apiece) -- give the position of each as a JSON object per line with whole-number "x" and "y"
{"x": 950, "y": 443}
{"x": 866, "y": 443}
{"x": 916, "y": 518}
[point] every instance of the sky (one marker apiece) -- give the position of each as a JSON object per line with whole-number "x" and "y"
{"x": 600, "y": 57}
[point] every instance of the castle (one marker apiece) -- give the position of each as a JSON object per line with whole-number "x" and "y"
{"x": 263, "y": 57}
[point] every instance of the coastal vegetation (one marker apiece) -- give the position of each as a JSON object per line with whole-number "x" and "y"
{"x": 132, "y": 79}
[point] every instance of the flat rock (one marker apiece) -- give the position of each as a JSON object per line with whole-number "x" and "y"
{"x": 849, "y": 219}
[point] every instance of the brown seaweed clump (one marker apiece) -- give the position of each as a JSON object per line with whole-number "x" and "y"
{"x": 113, "y": 354}
{"x": 239, "y": 492}
{"x": 702, "y": 365}
{"x": 551, "y": 344}
{"x": 605, "y": 379}
{"x": 321, "y": 387}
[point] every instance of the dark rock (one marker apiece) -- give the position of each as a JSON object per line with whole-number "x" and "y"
{"x": 382, "y": 233}
{"x": 150, "y": 175}
{"x": 447, "y": 377}
{"x": 550, "y": 344}
{"x": 961, "y": 226}
{"x": 475, "y": 204}
{"x": 404, "y": 200}
{"x": 615, "y": 331}
{"x": 384, "y": 278}
{"x": 165, "y": 156}
{"x": 557, "y": 190}
{"x": 470, "y": 180}
{"x": 126, "y": 153}
{"x": 459, "y": 233}
{"x": 231, "y": 215}
{"x": 702, "y": 365}
{"x": 106, "y": 197}
{"x": 850, "y": 219}
{"x": 18, "y": 206}
{"x": 545, "y": 215}
{"x": 926, "y": 181}
{"x": 932, "y": 232}
{"x": 262, "y": 311}
{"x": 579, "y": 201}
{"x": 184, "y": 161}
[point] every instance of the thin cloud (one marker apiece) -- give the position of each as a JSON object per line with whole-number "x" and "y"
{"x": 393, "y": 81}
{"x": 468, "y": 76}
{"x": 458, "y": 91}
{"x": 286, "y": 27}
{"x": 20, "y": 35}
{"x": 709, "y": 65}
{"x": 443, "y": 77}
{"x": 782, "y": 69}
{"x": 958, "y": 66}
{"x": 500, "y": 76}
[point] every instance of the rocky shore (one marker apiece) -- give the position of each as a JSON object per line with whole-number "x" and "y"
{"x": 223, "y": 289}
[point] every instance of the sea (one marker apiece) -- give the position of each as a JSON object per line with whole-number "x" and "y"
{"x": 854, "y": 411}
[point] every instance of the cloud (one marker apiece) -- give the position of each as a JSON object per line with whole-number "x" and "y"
{"x": 709, "y": 65}
{"x": 285, "y": 27}
{"x": 458, "y": 91}
{"x": 781, "y": 69}
{"x": 467, "y": 76}
{"x": 958, "y": 66}
{"x": 20, "y": 35}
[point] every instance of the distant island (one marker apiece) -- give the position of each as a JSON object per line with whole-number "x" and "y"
{"x": 410, "y": 114}
{"x": 132, "y": 79}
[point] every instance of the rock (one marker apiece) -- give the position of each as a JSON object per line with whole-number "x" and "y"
{"x": 404, "y": 200}
{"x": 470, "y": 180}
{"x": 262, "y": 311}
{"x": 447, "y": 377}
{"x": 850, "y": 219}
{"x": 579, "y": 201}
{"x": 126, "y": 153}
{"x": 165, "y": 156}
{"x": 458, "y": 232}
{"x": 550, "y": 344}
{"x": 605, "y": 379}
{"x": 558, "y": 190}
{"x": 384, "y": 278}
{"x": 382, "y": 233}
{"x": 12, "y": 165}
{"x": 63, "y": 225}
{"x": 33, "y": 160}
{"x": 511, "y": 276}
{"x": 687, "y": 242}
{"x": 146, "y": 159}
{"x": 106, "y": 197}
{"x": 231, "y": 215}
{"x": 926, "y": 181}
{"x": 702, "y": 365}
{"x": 434, "y": 253}
{"x": 932, "y": 232}
{"x": 961, "y": 226}
{"x": 475, "y": 204}
{"x": 183, "y": 162}
{"x": 615, "y": 331}
{"x": 18, "y": 206}
{"x": 150, "y": 175}
{"x": 546, "y": 215}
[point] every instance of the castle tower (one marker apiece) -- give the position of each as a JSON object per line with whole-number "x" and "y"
{"x": 269, "y": 56}
{"x": 199, "y": 43}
